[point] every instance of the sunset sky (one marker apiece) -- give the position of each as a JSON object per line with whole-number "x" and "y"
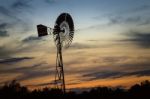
{"x": 111, "y": 45}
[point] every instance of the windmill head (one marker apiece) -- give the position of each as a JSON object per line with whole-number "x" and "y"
{"x": 64, "y": 28}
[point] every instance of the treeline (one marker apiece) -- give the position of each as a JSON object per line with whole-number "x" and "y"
{"x": 14, "y": 90}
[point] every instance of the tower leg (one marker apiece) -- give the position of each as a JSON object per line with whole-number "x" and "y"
{"x": 59, "y": 76}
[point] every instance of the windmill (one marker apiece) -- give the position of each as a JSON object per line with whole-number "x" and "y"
{"x": 63, "y": 33}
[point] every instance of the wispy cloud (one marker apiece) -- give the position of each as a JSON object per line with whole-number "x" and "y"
{"x": 21, "y": 4}
{"x": 81, "y": 46}
{"x": 3, "y": 31}
{"x": 42, "y": 84}
{"x": 30, "y": 72}
{"x": 140, "y": 39}
{"x": 12, "y": 15}
{"x": 6, "y": 52}
{"x": 50, "y": 1}
{"x": 115, "y": 74}
{"x": 14, "y": 60}
{"x": 138, "y": 16}
{"x": 144, "y": 7}
{"x": 134, "y": 20}
{"x": 13, "y": 24}
{"x": 31, "y": 39}
{"x": 116, "y": 67}
{"x": 6, "y": 13}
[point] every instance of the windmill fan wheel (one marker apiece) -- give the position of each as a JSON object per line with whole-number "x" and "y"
{"x": 64, "y": 30}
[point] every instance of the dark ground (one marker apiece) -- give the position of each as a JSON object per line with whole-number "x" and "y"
{"x": 14, "y": 90}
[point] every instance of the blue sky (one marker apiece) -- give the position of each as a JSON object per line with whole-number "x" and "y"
{"x": 111, "y": 42}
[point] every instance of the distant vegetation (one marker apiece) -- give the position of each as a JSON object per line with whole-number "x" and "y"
{"x": 14, "y": 90}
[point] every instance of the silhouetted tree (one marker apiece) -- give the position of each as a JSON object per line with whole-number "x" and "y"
{"x": 140, "y": 90}
{"x": 14, "y": 90}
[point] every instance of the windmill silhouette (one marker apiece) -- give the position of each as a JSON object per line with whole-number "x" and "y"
{"x": 63, "y": 33}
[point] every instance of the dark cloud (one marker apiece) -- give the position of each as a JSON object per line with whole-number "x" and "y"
{"x": 31, "y": 38}
{"x": 137, "y": 16}
{"x": 14, "y": 60}
{"x": 3, "y": 31}
{"x": 102, "y": 75}
{"x": 42, "y": 84}
{"x": 139, "y": 73}
{"x": 5, "y": 12}
{"x": 50, "y": 83}
{"x": 22, "y": 69}
{"x": 122, "y": 19}
{"x": 130, "y": 17}
{"x": 140, "y": 39}
{"x": 4, "y": 52}
{"x": 9, "y": 51}
{"x": 93, "y": 40}
{"x": 120, "y": 67}
{"x": 113, "y": 59}
{"x": 141, "y": 8}
{"x": 13, "y": 16}
{"x": 29, "y": 72}
{"x": 50, "y": 1}
{"x": 115, "y": 74}
{"x": 34, "y": 71}
{"x": 131, "y": 20}
{"x": 19, "y": 4}
{"x": 8, "y": 15}
{"x": 12, "y": 22}
{"x": 3, "y": 25}
{"x": 82, "y": 46}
